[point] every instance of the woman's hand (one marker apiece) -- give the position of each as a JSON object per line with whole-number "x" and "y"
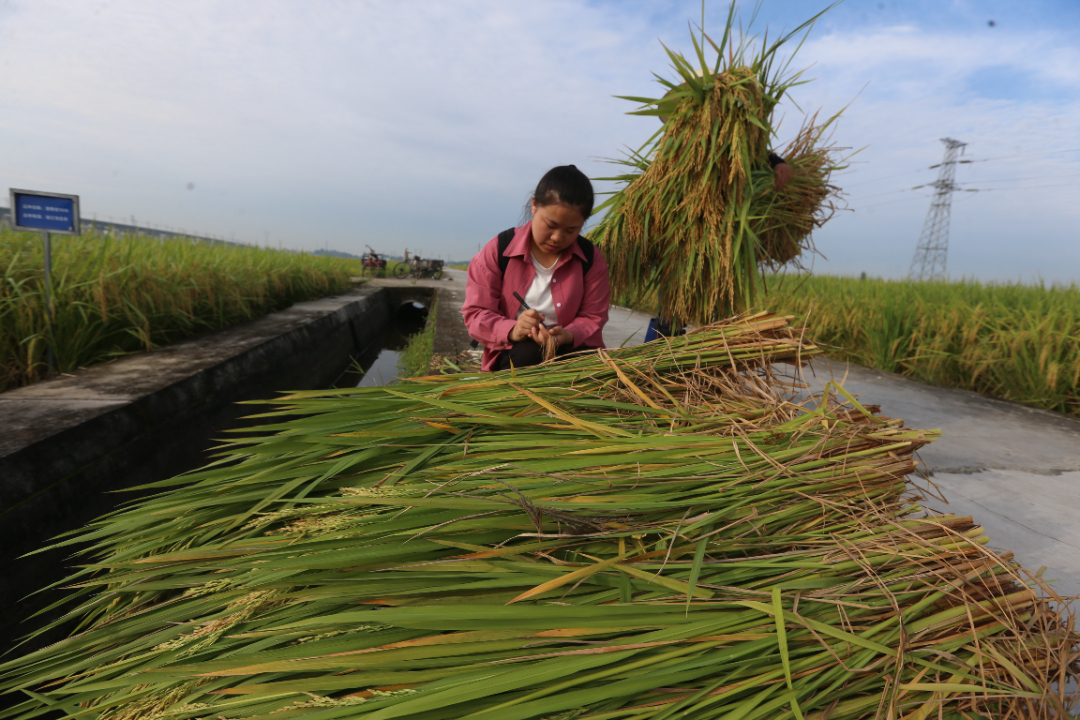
{"x": 561, "y": 334}
{"x": 528, "y": 323}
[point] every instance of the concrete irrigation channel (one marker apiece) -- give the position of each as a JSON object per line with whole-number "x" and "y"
{"x": 69, "y": 444}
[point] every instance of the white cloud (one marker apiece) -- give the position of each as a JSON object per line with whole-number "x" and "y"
{"x": 389, "y": 114}
{"x": 425, "y": 124}
{"x": 917, "y": 93}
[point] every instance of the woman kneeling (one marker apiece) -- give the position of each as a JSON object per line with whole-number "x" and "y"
{"x": 541, "y": 284}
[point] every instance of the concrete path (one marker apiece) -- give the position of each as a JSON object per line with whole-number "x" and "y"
{"x": 1015, "y": 469}
{"x": 625, "y": 327}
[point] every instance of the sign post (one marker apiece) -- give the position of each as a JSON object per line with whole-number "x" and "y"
{"x": 48, "y": 213}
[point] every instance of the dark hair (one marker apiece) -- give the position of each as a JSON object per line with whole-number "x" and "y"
{"x": 567, "y": 185}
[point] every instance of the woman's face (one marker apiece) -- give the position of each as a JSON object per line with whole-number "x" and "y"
{"x": 555, "y": 227}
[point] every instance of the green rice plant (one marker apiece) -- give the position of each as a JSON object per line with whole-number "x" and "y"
{"x": 416, "y": 357}
{"x": 1012, "y": 341}
{"x": 355, "y": 267}
{"x": 652, "y": 532}
{"x": 115, "y": 295}
{"x": 699, "y": 212}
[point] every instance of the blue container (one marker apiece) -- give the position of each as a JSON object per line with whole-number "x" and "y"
{"x": 659, "y": 329}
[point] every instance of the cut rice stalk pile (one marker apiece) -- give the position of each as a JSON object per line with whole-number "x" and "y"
{"x": 699, "y": 212}
{"x": 653, "y": 532}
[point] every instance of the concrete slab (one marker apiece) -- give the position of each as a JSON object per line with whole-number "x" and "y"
{"x": 1034, "y": 516}
{"x": 625, "y": 327}
{"x": 33, "y": 413}
{"x": 980, "y": 432}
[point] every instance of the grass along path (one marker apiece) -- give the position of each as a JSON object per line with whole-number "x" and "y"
{"x": 113, "y": 296}
{"x": 415, "y": 359}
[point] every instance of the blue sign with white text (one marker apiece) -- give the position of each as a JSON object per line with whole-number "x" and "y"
{"x": 44, "y": 212}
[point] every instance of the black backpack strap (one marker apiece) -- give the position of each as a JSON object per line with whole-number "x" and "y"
{"x": 589, "y": 250}
{"x": 507, "y": 236}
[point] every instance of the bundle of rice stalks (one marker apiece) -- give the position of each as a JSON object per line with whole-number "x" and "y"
{"x": 700, "y": 212}
{"x": 783, "y": 222}
{"x": 652, "y": 532}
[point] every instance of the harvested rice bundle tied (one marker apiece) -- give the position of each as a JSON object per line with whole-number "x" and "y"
{"x": 784, "y": 222}
{"x": 618, "y": 535}
{"x": 700, "y": 211}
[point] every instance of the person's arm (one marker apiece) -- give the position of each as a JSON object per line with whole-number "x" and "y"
{"x": 595, "y": 302}
{"x": 781, "y": 168}
{"x": 482, "y": 310}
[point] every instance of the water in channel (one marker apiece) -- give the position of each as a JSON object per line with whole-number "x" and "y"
{"x": 377, "y": 363}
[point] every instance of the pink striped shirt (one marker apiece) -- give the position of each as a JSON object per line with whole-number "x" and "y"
{"x": 490, "y": 309}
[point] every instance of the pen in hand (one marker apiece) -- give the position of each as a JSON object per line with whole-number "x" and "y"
{"x": 524, "y": 307}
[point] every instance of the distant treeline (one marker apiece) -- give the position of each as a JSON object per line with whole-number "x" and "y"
{"x": 387, "y": 256}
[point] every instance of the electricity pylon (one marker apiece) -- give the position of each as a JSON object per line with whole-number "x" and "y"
{"x": 930, "y": 255}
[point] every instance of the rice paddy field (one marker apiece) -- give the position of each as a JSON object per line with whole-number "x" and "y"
{"x": 115, "y": 295}
{"x": 1012, "y": 341}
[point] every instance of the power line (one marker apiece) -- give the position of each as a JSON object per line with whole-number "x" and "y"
{"x": 1034, "y": 177}
{"x": 973, "y": 182}
{"x": 1027, "y": 187}
{"x": 957, "y": 187}
{"x": 890, "y": 177}
{"x": 972, "y": 191}
{"x": 1011, "y": 157}
{"x": 964, "y": 162}
{"x": 889, "y": 192}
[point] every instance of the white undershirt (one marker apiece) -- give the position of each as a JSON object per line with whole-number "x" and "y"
{"x": 539, "y": 295}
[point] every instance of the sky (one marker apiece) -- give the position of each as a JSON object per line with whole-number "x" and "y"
{"x": 424, "y": 125}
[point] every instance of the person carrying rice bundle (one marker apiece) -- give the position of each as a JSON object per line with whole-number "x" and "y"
{"x": 540, "y": 290}
{"x": 706, "y": 205}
